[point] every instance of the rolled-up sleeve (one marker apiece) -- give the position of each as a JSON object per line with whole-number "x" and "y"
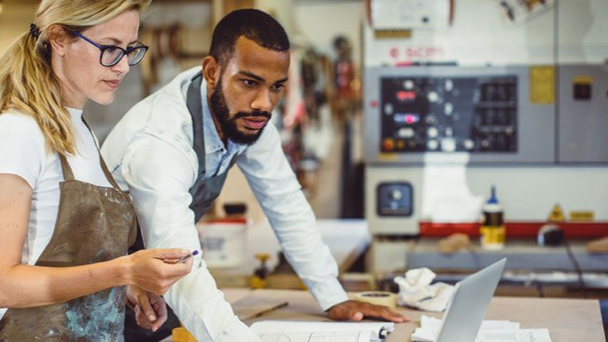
{"x": 280, "y": 195}
{"x": 159, "y": 177}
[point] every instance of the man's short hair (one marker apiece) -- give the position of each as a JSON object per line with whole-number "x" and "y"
{"x": 252, "y": 24}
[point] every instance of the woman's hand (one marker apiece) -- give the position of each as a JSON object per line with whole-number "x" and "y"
{"x": 155, "y": 270}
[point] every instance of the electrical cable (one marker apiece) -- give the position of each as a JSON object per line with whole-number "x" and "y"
{"x": 577, "y": 268}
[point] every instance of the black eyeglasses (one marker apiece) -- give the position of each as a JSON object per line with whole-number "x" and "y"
{"x": 112, "y": 55}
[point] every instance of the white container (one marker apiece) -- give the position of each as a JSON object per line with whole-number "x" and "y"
{"x": 224, "y": 242}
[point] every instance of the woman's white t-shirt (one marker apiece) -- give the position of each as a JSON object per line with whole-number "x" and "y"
{"x": 23, "y": 152}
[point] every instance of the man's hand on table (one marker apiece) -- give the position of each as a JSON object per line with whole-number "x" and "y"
{"x": 353, "y": 310}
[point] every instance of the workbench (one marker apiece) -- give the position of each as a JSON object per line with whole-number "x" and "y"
{"x": 568, "y": 320}
{"x": 520, "y": 254}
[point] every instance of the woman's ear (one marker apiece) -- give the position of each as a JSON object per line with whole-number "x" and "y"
{"x": 211, "y": 71}
{"x": 58, "y": 39}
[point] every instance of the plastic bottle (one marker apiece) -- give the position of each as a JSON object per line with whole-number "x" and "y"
{"x": 493, "y": 227}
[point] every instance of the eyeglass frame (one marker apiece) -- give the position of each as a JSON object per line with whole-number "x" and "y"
{"x": 103, "y": 48}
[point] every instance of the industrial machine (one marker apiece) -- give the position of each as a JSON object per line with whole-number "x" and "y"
{"x": 481, "y": 99}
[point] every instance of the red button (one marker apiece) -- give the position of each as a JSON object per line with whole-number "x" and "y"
{"x": 403, "y": 95}
{"x": 388, "y": 144}
{"x": 410, "y": 119}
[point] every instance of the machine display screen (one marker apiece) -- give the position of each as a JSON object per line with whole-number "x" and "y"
{"x": 449, "y": 114}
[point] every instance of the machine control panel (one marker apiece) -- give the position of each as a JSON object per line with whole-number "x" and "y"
{"x": 449, "y": 114}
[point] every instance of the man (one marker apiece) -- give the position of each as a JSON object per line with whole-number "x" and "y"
{"x": 173, "y": 150}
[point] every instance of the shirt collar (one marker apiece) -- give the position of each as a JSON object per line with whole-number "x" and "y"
{"x": 76, "y": 113}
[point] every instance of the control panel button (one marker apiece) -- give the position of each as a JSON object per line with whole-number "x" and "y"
{"x": 468, "y": 144}
{"x": 406, "y": 132}
{"x": 396, "y": 195}
{"x": 448, "y": 85}
{"x": 448, "y": 108}
{"x": 448, "y": 144}
{"x": 406, "y": 118}
{"x": 582, "y": 91}
{"x": 388, "y": 144}
{"x": 388, "y": 109}
{"x": 432, "y": 145}
{"x": 432, "y": 132}
{"x": 406, "y": 96}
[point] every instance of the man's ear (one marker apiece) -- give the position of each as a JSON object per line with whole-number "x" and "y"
{"x": 211, "y": 71}
{"x": 58, "y": 39}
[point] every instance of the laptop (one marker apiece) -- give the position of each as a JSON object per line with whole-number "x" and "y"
{"x": 469, "y": 304}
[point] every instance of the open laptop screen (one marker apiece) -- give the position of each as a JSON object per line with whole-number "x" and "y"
{"x": 469, "y": 304}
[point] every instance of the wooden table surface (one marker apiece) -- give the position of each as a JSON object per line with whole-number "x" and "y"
{"x": 568, "y": 320}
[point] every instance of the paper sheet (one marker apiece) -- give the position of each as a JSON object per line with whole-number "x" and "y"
{"x": 298, "y": 331}
{"x": 307, "y": 327}
{"x": 523, "y": 335}
{"x": 490, "y": 331}
{"x": 361, "y": 336}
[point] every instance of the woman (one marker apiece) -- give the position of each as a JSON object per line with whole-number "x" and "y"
{"x": 64, "y": 224}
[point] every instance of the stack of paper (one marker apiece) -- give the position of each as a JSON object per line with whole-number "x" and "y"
{"x": 285, "y": 331}
{"x": 490, "y": 331}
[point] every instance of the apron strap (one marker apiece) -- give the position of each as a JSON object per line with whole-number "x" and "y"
{"x": 194, "y": 102}
{"x": 68, "y": 174}
{"x": 107, "y": 172}
{"x": 104, "y": 167}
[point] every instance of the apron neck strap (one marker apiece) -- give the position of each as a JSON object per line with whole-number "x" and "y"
{"x": 194, "y": 101}
{"x": 68, "y": 175}
{"x": 104, "y": 167}
{"x": 107, "y": 172}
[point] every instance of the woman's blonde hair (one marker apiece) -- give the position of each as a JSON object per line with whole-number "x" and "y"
{"x": 27, "y": 81}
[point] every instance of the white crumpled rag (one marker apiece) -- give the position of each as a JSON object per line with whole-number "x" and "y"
{"x": 415, "y": 290}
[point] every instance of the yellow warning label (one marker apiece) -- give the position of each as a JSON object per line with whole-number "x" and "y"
{"x": 392, "y": 34}
{"x": 387, "y": 156}
{"x": 542, "y": 85}
{"x": 582, "y": 216}
{"x": 557, "y": 214}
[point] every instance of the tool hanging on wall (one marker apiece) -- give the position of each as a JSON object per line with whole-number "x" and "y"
{"x": 519, "y": 11}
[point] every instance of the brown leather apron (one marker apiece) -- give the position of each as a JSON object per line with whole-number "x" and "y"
{"x": 94, "y": 224}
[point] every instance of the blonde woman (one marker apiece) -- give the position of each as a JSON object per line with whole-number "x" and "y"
{"x": 64, "y": 224}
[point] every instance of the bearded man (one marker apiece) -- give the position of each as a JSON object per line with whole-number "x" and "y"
{"x": 172, "y": 152}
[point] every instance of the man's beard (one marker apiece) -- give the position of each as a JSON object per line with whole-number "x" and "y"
{"x": 228, "y": 124}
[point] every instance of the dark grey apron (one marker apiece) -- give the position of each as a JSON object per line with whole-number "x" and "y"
{"x": 204, "y": 192}
{"x": 94, "y": 224}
